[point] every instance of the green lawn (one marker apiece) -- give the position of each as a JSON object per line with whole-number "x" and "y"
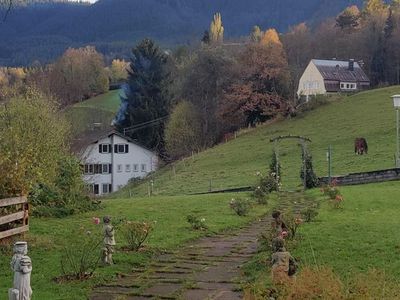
{"x": 108, "y": 101}
{"x": 48, "y": 236}
{"x": 100, "y": 109}
{"x": 369, "y": 114}
{"x": 361, "y": 236}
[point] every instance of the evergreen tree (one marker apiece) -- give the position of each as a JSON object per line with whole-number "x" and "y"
{"x": 256, "y": 34}
{"x": 146, "y": 95}
{"x": 378, "y": 64}
{"x": 311, "y": 179}
{"x": 389, "y": 25}
{"x": 206, "y": 38}
{"x": 216, "y": 29}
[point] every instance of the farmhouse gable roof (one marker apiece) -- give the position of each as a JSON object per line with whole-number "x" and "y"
{"x": 338, "y": 70}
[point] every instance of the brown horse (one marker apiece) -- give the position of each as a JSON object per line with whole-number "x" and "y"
{"x": 360, "y": 146}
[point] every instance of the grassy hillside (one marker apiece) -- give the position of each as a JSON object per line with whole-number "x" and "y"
{"x": 369, "y": 114}
{"x": 100, "y": 109}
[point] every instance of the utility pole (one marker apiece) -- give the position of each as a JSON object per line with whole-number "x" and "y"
{"x": 329, "y": 159}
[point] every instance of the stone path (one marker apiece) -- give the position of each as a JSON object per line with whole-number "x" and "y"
{"x": 209, "y": 268}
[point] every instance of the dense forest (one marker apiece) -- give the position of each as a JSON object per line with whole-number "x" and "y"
{"x": 39, "y": 31}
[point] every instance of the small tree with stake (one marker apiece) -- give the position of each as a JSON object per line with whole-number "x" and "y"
{"x": 311, "y": 180}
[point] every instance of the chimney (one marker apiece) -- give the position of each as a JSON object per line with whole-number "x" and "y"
{"x": 351, "y": 64}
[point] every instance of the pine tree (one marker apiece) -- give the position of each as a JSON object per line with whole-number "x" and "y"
{"x": 216, "y": 29}
{"x": 206, "y": 37}
{"x": 311, "y": 179}
{"x": 146, "y": 95}
{"x": 256, "y": 34}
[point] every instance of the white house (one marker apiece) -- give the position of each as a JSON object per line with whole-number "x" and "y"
{"x": 332, "y": 76}
{"x": 111, "y": 160}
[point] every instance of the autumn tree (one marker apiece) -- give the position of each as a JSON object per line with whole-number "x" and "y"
{"x": 270, "y": 37}
{"x": 32, "y": 139}
{"x": 348, "y": 19}
{"x": 216, "y": 29}
{"x": 78, "y": 74}
{"x": 118, "y": 70}
{"x": 373, "y": 6}
{"x": 147, "y": 95}
{"x": 183, "y": 130}
{"x": 258, "y": 94}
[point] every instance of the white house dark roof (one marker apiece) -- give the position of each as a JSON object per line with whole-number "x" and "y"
{"x": 339, "y": 70}
{"x": 80, "y": 143}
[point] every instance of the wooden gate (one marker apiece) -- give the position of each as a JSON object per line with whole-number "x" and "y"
{"x": 17, "y": 220}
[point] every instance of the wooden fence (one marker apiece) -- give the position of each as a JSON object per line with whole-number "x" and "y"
{"x": 22, "y": 215}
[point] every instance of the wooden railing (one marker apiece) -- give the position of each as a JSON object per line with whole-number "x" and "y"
{"x": 22, "y": 215}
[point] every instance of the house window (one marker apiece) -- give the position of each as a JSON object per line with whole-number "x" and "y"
{"x": 143, "y": 167}
{"x": 119, "y": 168}
{"x": 96, "y": 189}
{"x": 89, "y": 168}
{"x": 121, "y": 148}
{"x": 127, "y": 168}
{"x": 104, "y": 148}
{"x": 106, "y": 168}
{"x": 107, "y": 188}
{"x": 135, "y": 168}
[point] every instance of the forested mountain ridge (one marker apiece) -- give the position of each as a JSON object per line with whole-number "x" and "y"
{"x": 43, "y": 30}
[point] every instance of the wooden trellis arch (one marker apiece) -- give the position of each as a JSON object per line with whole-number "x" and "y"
{"x": 302, "y": 141}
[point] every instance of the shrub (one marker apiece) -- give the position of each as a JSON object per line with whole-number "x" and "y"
{"x": 260, "y": 196}
{"x": 81, "y": 257}
{"x": 330, "y": 191}
{"x": 266, "y": 184}
{"x": 337, "y": 202}
{"x": 240, "y": 206}
{"x": 66, "y": 196}
{"x": 136, "y": 233}
{"x": 196, "y": 222}
{"x": 293, "y": 223}
{"x": 309, "y": 214}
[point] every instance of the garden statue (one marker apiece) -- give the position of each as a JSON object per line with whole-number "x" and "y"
{"x": 360, "y": 146}
{"x": 283, "y": 264}
{"x": 109, "y": 241}
{"x": 21, "y": 264}
{"x": 278, "y": 226}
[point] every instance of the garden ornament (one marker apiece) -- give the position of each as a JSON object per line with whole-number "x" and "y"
{"x": 108, "y": 241}
{"x": 21, "y": 265}
{"x": 283, "y": 264}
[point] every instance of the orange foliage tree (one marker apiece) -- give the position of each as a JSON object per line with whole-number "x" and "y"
{"x": 259, "y": 92}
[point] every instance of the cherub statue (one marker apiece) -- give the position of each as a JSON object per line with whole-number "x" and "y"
{"x": 278, "y": 226}
{"x": 21, "y": 264}
{"x": 283, "y": 264}
{"x": 109, "y": 241}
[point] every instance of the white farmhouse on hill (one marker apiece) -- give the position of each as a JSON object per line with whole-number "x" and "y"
{"x": 332, "y": 76}
{"x": 111, "y": 160}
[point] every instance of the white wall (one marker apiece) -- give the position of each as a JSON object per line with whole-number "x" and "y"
{"x": 311, "y": 82}
{"x": 137, "y": 155}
